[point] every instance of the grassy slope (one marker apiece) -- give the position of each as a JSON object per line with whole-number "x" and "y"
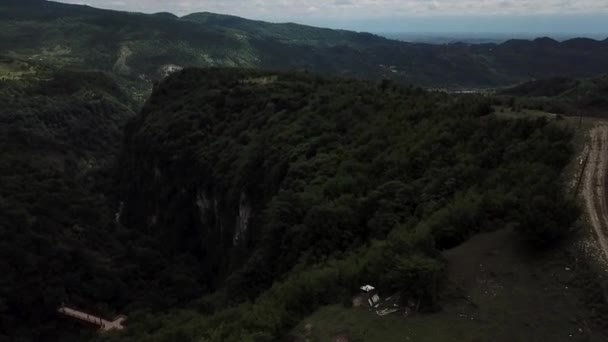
{"x": 512, "y": 295}
{"x": 13, "y": 69}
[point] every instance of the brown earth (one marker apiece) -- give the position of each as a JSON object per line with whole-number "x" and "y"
{"x": 594, "y": 184}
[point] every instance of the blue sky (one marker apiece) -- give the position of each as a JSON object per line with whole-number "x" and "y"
{"x": 491, "y": 16}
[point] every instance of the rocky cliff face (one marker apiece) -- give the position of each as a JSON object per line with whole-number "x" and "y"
{"x": 251, "y": 173}
{"x": 188, "y": 214}
{"x": 192, "y": 208}
{"x": 206, "y": 158}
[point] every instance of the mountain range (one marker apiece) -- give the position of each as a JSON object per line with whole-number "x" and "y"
{"x": 140, "y": 46}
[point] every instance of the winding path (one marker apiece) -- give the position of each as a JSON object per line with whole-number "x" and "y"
{"x": 594, "y": 184}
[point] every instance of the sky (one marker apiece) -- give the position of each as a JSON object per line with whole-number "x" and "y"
{"x": 475, "y": 16}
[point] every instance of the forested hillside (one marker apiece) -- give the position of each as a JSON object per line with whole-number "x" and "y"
{"x": 55, "y": 136}
{"x": 561, "y": 95}
{"x": 60, "y": 133}
{"x": 291, "y": 190}
{"x": 143, "y": 47}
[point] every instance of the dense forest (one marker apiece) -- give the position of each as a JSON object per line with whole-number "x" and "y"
{"x": 60, "y": 241}
{"x": 287, "y": 191}
{"x": 141, "y": 47}
{"x": 56, "y": 136}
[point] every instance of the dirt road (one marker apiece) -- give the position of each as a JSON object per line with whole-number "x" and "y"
{"x": 594, "y": 184}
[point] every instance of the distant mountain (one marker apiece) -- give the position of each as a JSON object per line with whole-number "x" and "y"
{"x": 289, "y": 32}
{"x": 473, "y": 37}
{"x": 138, "y": 46}
{"x": 165, "y": 15}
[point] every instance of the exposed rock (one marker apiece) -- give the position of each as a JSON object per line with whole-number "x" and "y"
{"x": 168, "y": 69}
{"x": 242, "y": 220}
{"x": 121, "y": 67}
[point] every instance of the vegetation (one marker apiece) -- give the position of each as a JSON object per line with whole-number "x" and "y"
{"x": 561, "y": 95}
{"x": 291, "y": 190}
{"x": 238, "y": 202}
{"x": 55, "y": 135}
{"x": 497, "y": 291}
{"x": 60, "y": 134}
{"x": 138, "y": 46}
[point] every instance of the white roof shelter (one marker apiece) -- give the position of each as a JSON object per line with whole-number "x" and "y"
{"x": 367, "y": 288}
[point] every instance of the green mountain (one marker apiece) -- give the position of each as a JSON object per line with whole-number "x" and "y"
{"x": 292, "y": 190}
{"x": 562, "y": 95}
{"x": 144, "y": 47}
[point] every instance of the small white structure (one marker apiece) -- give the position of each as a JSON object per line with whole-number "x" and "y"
{"x": 367, "y": 288}
{"x": 371, "y": 295}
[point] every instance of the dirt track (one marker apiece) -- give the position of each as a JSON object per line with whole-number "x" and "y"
{"x": 594, "y": 184}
